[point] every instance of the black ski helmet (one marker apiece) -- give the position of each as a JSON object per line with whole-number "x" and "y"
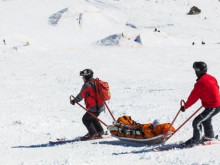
{"x": 87, "y": 73}
{"x": 200, "y": 68}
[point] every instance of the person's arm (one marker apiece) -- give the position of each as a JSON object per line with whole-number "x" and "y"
{"x": 81, "y": 94}
{"x": 194, "y": 95}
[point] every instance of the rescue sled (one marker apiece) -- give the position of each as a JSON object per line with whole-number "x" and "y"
{"x": 126, "y": 129}
{"x": 149, "y": 141}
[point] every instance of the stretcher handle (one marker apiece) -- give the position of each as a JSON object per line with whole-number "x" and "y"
{"x": 182, "y": 103}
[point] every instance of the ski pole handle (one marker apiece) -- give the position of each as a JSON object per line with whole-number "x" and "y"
{"x": 182, "y": 103}
{"x": 72, "y": 97}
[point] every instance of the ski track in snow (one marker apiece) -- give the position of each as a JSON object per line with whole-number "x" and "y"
{"x": 146, "y": 82}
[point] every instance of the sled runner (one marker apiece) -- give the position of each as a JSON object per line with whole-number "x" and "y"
{"x": 148, "y": 141}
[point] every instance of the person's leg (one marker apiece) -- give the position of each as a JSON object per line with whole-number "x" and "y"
{"x": 88, "y": 122}
{"x": 204, "y": 119}
{"x": 207, "y": 124}
{"x": 97, "y": 124}
{"x": 208, "y": 129}
{"x": 197, "y": 128}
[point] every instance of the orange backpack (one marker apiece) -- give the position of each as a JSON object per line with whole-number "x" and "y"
{"x": 126, "y": 127}
{"x": 147, "y": 130}
{"x": 126, "y": 120}
{"x": 102, "y": 90}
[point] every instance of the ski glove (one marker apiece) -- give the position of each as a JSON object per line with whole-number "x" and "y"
{"x": 182, "y": 108}
{"x": 72, "y": 102}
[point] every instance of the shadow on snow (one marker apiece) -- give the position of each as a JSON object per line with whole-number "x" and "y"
{"x": 37, "y": 145}
{"x": 148, "y": 148}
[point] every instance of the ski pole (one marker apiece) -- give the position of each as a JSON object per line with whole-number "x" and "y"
{"x": 88, "y": 111}
{"x": 185, "y": 122}
{"x": 109, "y": 111}
{"x": 182, "y": 102}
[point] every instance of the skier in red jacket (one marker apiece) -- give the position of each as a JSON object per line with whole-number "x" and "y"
{"x": 88, "y": 94}
{"x": 206, "y": 88}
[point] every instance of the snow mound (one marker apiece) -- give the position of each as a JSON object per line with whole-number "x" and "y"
{"x": 122, "y": 39}
{"x": 54, "y": 18}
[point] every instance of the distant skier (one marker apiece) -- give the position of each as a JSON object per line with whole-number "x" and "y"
{"x": 207, "y": 89}
{"x": 88, "y": 94}
{"x": 80, "y": 19}
{"x": 4, "y": 42}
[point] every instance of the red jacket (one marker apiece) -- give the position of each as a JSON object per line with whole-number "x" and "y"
{"x": 206, "y": 88}
{"x": 88, "y": 94}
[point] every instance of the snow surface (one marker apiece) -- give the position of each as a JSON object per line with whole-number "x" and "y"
{"x": 147, "y": 81}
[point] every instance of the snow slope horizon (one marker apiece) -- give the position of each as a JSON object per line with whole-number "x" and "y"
{"x": 146, "y": 82}
{"x": 145, "y": 15}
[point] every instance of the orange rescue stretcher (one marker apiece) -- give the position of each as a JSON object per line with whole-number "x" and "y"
{"x": 126, "y": 129}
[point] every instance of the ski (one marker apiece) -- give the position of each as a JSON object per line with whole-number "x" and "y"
{"x": 64, "y": 141}
{"x": 181, "y": 146}
{"x": 168, "y": 147}
{"x": 77, "y": 139}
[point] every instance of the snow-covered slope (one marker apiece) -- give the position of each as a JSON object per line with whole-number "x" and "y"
{"x": 147, "y": 81}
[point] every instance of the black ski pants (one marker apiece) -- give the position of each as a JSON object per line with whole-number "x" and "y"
{"x": 92, "y": 124}
{"x": 204, "y": 119}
